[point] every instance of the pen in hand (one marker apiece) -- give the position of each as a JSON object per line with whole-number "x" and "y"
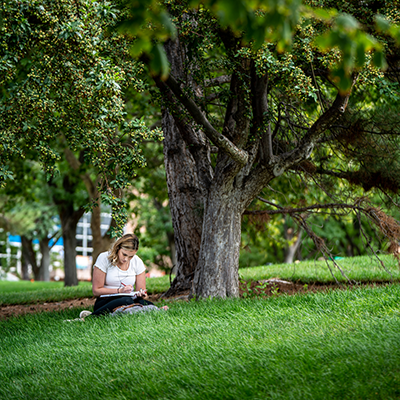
{"x": 123, "y": 284}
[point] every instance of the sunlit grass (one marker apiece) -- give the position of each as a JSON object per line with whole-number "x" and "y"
{"x": 360, "y": 269}
{"x": 26, "y": 286}
{"x": 43, "y": 292}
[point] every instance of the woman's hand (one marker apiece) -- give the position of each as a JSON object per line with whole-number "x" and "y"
{"x": 141, "y": 285}
{"x": 142, "y": 293}
{"x": 126, "y": 289}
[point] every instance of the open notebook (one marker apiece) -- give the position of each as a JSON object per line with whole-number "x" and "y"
{"x": 131, "y": 294}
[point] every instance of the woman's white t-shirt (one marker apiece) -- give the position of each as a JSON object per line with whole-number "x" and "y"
{"x": 115, "y": 277}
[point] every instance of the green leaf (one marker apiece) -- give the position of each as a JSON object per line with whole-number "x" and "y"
{"x": 394, "y": 31}
{"x": 324, "y": 13}
{"x": 142, "y": 45}
{"x": 159, "y": 63}
{"x": 382, "y": 23}
{"x": 360, "y": 51}
{"x": 168, "y": 24}
{"x": 379, "y": 60}
{"x": 346, "y": 22}
{"x": 231, "y": 11}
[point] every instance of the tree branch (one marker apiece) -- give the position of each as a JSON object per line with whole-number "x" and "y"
{"x": 75, "y": 165}
{"x": 259, "y": 88}
{"x": 237, "y": 154}
{"x": 307, "y": 143}
{"x": 290, "y": 210}
{"x": 217, "y": 81}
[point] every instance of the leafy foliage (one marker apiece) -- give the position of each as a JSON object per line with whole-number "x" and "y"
{"x": 63, "y": 76}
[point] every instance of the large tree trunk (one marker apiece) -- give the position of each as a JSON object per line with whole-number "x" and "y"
{"x": 253, "y": 148}
{"x": 187, "y": 165}
{"x": 185, "y": 204}
{"x": 217, "y": 268}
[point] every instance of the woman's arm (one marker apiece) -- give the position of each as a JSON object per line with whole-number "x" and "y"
{"x": 99, "y": 278}
{"x": 141, "y": 282}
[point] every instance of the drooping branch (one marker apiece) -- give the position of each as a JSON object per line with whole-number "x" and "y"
{"x": 219, "y": 140}
{"x": 321, "y": 246}
{"x": 386, "y": 225}
{"x": 368, "y": 244}
{"x": 314, "y": 207}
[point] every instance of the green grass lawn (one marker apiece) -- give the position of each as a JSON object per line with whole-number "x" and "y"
{"x": 336, "y": 345}
{"x": 359, "y": 269}
{"x": 26, "y": 292}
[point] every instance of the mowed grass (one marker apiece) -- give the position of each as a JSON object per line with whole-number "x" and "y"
{"x": 27, "y": 292}
{"x": 359, "y": 269}
{"x": 338, "y": 345}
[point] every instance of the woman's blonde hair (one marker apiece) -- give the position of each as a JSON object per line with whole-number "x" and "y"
{"x": 127, "y": 242}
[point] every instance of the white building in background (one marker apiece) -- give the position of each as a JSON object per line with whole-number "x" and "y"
{"x": 84, "y": 250}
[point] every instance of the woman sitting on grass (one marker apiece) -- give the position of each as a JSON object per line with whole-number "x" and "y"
{"x": 115, "y": 274}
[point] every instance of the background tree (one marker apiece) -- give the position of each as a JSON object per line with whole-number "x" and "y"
{"x": 27, "y": 210}
{"x": 62, "y": 77}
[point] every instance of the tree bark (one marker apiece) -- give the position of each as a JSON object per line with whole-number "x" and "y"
{"x": 217, "y": 269}
{"x": 69, "y": 217}
{"x": 28, "y": 256}
{"x": 68, "y": 226}
{"x": 44, "y": 270}
{"x": 185, "y": 204}
{"x": 187, "y": 159}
